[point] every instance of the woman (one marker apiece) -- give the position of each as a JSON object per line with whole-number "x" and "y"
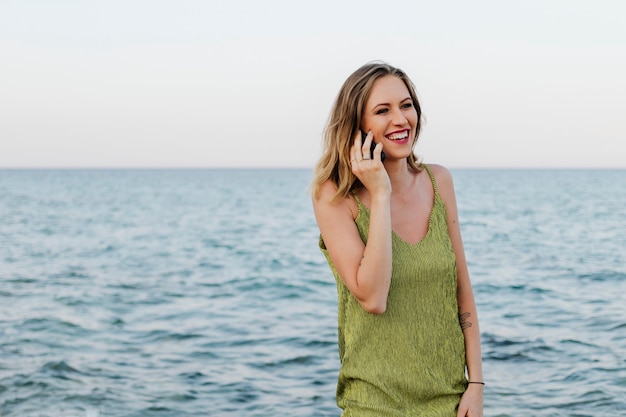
{"x": 409, "y": 342}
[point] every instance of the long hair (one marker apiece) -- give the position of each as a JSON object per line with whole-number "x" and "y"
{"x": 345, "y": 120}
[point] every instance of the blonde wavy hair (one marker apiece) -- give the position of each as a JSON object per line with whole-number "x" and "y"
{"x": 344, "y": 122}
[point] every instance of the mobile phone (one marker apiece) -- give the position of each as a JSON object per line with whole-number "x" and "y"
{"x": 382, "y": 154}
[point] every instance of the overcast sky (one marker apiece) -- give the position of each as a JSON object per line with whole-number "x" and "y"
{"x": 190, "y": 83}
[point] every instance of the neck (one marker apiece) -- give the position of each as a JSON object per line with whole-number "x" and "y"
{"x": 400, "y": 175}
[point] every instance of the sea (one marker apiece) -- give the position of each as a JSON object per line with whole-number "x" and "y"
{"x": 202, "y": 292}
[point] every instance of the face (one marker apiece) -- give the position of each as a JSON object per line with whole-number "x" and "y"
{"x": 391, "y": 116}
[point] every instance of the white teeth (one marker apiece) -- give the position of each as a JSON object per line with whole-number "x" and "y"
{"x": 398, "y": 136}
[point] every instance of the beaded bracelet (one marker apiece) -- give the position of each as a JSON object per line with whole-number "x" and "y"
{"x": 476, "y": 382}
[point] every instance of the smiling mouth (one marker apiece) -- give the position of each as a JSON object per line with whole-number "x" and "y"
{"x": 398, "y": 135}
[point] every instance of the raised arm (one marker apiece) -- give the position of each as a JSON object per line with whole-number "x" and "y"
{"x": 365, "y": 268}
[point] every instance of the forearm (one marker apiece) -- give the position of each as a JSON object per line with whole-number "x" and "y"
{"x": 374, "y": 273}
{"x": 468, "y": 319}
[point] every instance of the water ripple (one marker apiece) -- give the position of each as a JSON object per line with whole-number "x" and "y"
{"x": 200, "y": 292}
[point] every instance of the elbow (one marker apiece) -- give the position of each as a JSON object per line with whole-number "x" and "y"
{"x": 375, "y": 306}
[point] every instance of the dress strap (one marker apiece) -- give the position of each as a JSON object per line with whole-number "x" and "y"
{"x": 358, "y": 200}
{"x": 432, "y": 179}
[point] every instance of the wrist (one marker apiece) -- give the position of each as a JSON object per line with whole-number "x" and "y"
{"x": 476, "y": 386}
{"x": 382, "y": 198}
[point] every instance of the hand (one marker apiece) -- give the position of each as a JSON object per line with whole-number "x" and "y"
{"x": 371, "y": 172}
{"x": 471, "y": 404}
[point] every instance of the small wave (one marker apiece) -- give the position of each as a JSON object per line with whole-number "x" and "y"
{"x": 240, "y": 392}
{"x": 578, "y": 343}
{"x": 216, "y": 244}
{"x": 203, "y": 355}
{"x": 603, "y": 276}
{"x": 164, "y": 336}
{"x": 503, "y": 349}
{"x": 60, "y": 366}
{"x": 304, "y": 360}
{"x": 47, "y": 324}
{"x": 192, "y": 375}
{"x": 69, "y": 274}
{"x": 43, "y": 413}
{"x": 21, "y": 280}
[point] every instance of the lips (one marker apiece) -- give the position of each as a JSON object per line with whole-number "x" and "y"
{"x": 400, "y": 135}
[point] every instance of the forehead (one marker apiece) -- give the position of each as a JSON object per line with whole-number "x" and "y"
{"x": 388, "y": 88}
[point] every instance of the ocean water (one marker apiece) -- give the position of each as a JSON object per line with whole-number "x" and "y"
{"x": 203, "y": 293}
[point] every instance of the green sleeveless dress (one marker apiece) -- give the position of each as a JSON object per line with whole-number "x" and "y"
{"x": 409, "y": 361}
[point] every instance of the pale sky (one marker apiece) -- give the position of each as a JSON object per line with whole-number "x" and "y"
{"x": 232, "y": 83}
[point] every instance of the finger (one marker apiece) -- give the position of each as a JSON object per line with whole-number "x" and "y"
{"x": 367, "y": 143}
{"x": 355, "y": 151}
{"x": 353, "y": 159}
{"x": 378, "y": 150}
{"x": 353, "y": 148}
{"x": 358, "y": 141}
{"x": 353, "y": 155}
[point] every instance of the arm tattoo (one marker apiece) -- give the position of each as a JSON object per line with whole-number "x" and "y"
{"x": 463, "y": 321}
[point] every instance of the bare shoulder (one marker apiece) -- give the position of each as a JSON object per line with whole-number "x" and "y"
{"x": 323, "y": 200}
{"x": 325, "y": 194}
{"x": 443, "y": 176}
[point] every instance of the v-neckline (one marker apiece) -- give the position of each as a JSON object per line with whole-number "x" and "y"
{"x": 436, "y": 200}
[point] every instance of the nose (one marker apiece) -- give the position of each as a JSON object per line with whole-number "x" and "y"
{"x": 398, "y": 117}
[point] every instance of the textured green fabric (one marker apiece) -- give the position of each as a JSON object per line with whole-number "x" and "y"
{"x": 409, "y": 361}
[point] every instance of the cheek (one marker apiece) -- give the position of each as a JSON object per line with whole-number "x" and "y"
{"x": 365, "y": 124}
{"x": 414, "y": 120}
{"x": 373, "y": 125}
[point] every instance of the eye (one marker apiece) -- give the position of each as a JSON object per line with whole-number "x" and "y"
{"x": 407, "y": 105}
{"x": 381, "y": 111}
